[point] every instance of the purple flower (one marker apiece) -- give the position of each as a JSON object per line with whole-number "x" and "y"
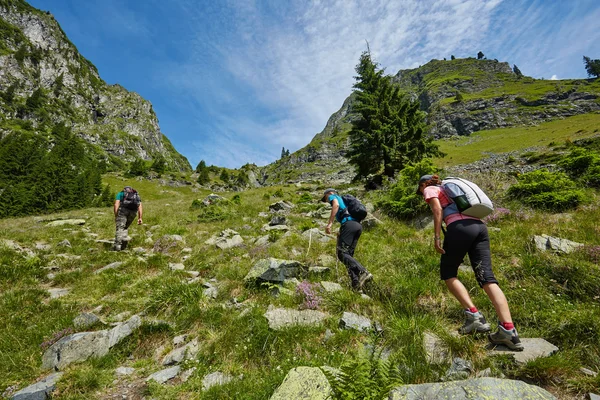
{"x": 309, "y": 292}
{"x": 592, "y": 253}
{"x": 498, "y": 214}
{"x": 55, "y": 338}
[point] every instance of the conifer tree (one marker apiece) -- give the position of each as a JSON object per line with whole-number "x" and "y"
{"x": 201, "y": 166}
{"x": 390, "y": 131}
{"x": 592, "y": 66}
{"x": 282, "y": 152}
{"x": 480, "y": 55}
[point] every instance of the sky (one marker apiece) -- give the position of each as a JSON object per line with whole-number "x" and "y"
{"x": 234, "y": 81}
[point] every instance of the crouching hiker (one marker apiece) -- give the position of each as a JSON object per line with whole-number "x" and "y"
{"x": 128, "y": 204}
{"x": 347, "y": 240}
{"x": 466, "y": 234}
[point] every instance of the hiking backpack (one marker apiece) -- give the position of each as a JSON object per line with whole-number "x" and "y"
{"x": 468, "y": 197}
{"x": 131, "y": 199}
{"x": 354, "y": 207}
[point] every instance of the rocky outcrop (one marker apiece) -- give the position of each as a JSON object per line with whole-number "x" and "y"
{"x": 304, "y": 383}
{"x": 41, "y": 390}
{"x": 37, "y": 57}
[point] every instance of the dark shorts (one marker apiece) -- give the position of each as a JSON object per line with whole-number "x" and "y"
{"x": 467, "y": 236}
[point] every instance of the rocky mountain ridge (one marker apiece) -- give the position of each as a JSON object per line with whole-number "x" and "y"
{"x": 44, "y": 80}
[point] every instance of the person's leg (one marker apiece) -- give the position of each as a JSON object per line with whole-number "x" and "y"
{"x": 459, "y": 291}
{"x": 120, "y": 229}
{"x": 499, "y": 301}
{"x": 344, "y": 246}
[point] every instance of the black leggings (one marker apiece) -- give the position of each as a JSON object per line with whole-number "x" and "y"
{"x": 346, "y": 244}
{"x": 467, "y": 236}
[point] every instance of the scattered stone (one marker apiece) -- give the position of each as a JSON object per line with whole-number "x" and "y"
{"x": 273, "y": 270}
{"x": 328, "y": 334}
{"x": 213, "y": 199}
{"x": 545, "y": 242}
{"x": 56, "y": 293}
{"x": 185, "y": 375}
{"x": 459, "y": 370}
{"x": 277, "y": 291}
{"x": 383, "y": 354}
{"x": 211, "y": 291}
{"x": 304, "y": 383}
{"x": 64, "y": 243}
{"x": 226, "y": 240}
{"x": 532, "y": 348}
{"x": 478, "y": 388}
{"x": 187, "y": 250}
{"x": 40, "y": 390}
{"x": 42, "y": 246}
{"x": 331, "y": 287}
{"x": 365, "y": 297}
{"x": 114, "y": 265}
{"x": 486, "y": 373}
{"x": 124, "y": 371}
{"x": 164, "y": 375}
{"x": 588, "y": 372}
{"x": 193, "y": 274}
{"x": 436, "y": 351}
{"x": 167, "y": 242}
{"x": 70, "y": 257}
{"x": 179, "y": 340}
{"x": 281, "y": 318}
{"x": 326, "y": 260}
{"x": 62, "y": 222}
{"x": 593, "y": 396}
{"x": 176, "y": 266}
{"x": 278, "y": 220}
{"x": 317, "y": 235}
{"x": 139, "y": 250}
{"x": 281, "y": 206}
{"x": 76, "y": 348}
{"x": 85, "y": 320}
{"x": 120, "y": 317}
{"x": 262, "y": 241}
{"x": 269, "y": 228}
{"x": 354, "y": 321}
{"x": 187, "y": 352}
{"x": 50, "y": 276}
{"x": 104, "y": 241}
{"x": 494, "y": 229}
{"x": 215, "y": 379}
{"x": 263, "y": 214}
{"x": 318, "y": 270}
{"x": 370, "y": 222}
{"x": 465, "y": 268}
{"x": 123, "y": 330}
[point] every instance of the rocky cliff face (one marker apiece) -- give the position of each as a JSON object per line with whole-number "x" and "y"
{"x": 44, "y": 80}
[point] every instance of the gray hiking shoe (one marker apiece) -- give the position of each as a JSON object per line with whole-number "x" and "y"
{"x": 506, "y": 338}
{"x": 364, "y": 277}
{"x": 474, "y": 322}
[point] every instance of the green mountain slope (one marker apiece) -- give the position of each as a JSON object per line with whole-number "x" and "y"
{"x": 44, "y": 81}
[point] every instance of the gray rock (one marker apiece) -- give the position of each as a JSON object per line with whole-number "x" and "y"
{"x": 459, "y": 370}
{"x": 215, "y": 379}
{"x": 179, "y": 340}
{"x": 278, "y": 220}
{"x": 326, "y": 260}
{"x": 187, "y": 352}
{"x": 318, "y": 270}
{"x": 273, "y": 270}
{"x": 85, "y": 320}
{"x": 533, "y": 348}
{"x": 486, "y": 373}
{"x": 42, "y": 246}
{"x": 211, "y": 290}
{"x": 478, "y": 388}
{"x": 436, "y": 351}
{"x": 262, "y": 241}
{"x": 124, "y": 371}
{"x": 62, "y": 222}
{"x": 40, "y": 390}
{"x": 56, "y": 293}
{"x": 281, "y": 318}
{"x": 176, "y": 266}
{"x": 193, "y": 274}
{"x": 139, "y": 250}
{"x": 370, "y": 222}
{"x": 331, "y": 287}
{"x": 304, "y": 383}
{"x": 354, "y": 321}
{"x": 588, "y": 372}
{"x": 123, "y": 330}
{"x": 213, "y": 199}
{"x": 594, "y": 396}
{"x": 187, "y": 374}
{"x": 558, "y": 245}
{"x": 76, "y": 348}
{"x": 167, "y": 242}
{"x": 281, "y": 206}
{"x": 317, "y": 235}
{"x": 263, "y": 214}
{"x": 225, "y": 244}
{"x": 114, "y": 265}
{"x": 269, "y": 228}
{"x": 64, "y": 243}
{"x": 164, "y": 375}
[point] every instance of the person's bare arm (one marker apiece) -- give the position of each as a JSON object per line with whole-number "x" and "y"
{"x": 436, "y": 209}
{"x": 116, "y": 207}
{"x": 140, "y": 212}
{"x": 335, "y": 206}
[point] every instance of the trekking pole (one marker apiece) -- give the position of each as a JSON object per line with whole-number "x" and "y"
{"x": 309, "y": 242}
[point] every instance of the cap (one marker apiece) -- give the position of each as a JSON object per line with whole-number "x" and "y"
{"x": 424, "y": 178}
{"x": 325, "y": 193}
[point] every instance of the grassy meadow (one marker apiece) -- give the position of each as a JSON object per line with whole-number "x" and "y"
{"x": 555, "y": 297}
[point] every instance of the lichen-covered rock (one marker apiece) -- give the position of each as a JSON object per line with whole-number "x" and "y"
{"x": 215, "y": 379}
{"x": 478, "y": 388}
{"x": 273, "y": 270}
{"x": 281, "y": 318}
{"x": 40, "y": 390}
{"x": 187, "y": 352}
{"x": 350, "y": 320}
{"x": 304, "y": 383}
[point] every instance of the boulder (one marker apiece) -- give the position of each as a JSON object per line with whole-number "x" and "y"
{"x": 436, "y": 351}
{"x": 187, "y": 352}
{"x": 281, "y": 206}
{"x": 278, "y": 220}
{"x": 85, "y": 320}
{"x": 532, "y": 348}
{"x": 326, "y": 260}
{"x": 370, "y": 222}
{"x": 316, "y": 234}
{"x": 354, "y": 321}
{"x": 478, "y": 388}
{"x": 459, "y": 370}
{"x": 558, "y": 245}
{"x": 210, "y": 291}
{"x": 124, "y": 371}
{"x": 213, "y": 199}
{"x": 62, "y": 222}
{"x": 164, "y": 375}
{"x": 40, "y": 390}
{"x": 56, "y": 293}
{"x": 114, "y": 265}
{"x": 226, "y": 240}
{"x": 273, "y": 270}
{"x": 76, "y": 348}
{"x": 123, "y": 330}
{"x": 262, "y": 241}
{"x": 176, "y": 266}
{"x": 215, "y": 379}
{"x": 331, "y": 287}
{"x": 281, "y": 318}
{"x": 301, "y": 383}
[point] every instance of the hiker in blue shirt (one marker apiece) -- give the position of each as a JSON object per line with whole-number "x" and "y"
{"x": 347, "y": 238}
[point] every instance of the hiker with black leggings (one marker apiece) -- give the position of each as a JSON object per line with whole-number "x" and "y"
{"x": 347, "y": 238}
{"x": 467, "y": 235}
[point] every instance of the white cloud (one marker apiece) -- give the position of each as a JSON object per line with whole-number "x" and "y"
{"x": 554, "y": 78}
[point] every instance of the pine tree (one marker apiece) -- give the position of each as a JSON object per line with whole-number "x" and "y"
{"x": 480, "y": 55}
{"x": 159, "y": 165}
{"x": 282, "y": 152}
{"x": 592, "y": 66}
{"x": 452, "y": 57}
{"x": 287, "y": 153}
{"x": 224, "y": 175}
{"x": 390, "y": 132}
{"x": 201, "y": 166}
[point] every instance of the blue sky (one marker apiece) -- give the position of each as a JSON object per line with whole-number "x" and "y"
{"x": 235, "y": 81}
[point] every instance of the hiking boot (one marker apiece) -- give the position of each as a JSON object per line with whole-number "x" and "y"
{"x": 474, "y": 322}
{"x": 506, "y": 338}
{"x": 364, "y": 277}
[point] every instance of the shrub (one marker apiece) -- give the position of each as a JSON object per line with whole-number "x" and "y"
{"x": 213, "y": 213}
{"x": 305, "y": 198}
{"x": 138, "y": 168}
{"x": 583, "y": 164}
{"x": 547, "y": 191}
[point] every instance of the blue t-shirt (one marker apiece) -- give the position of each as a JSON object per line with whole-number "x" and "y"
{"x": 341, "y": 216}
